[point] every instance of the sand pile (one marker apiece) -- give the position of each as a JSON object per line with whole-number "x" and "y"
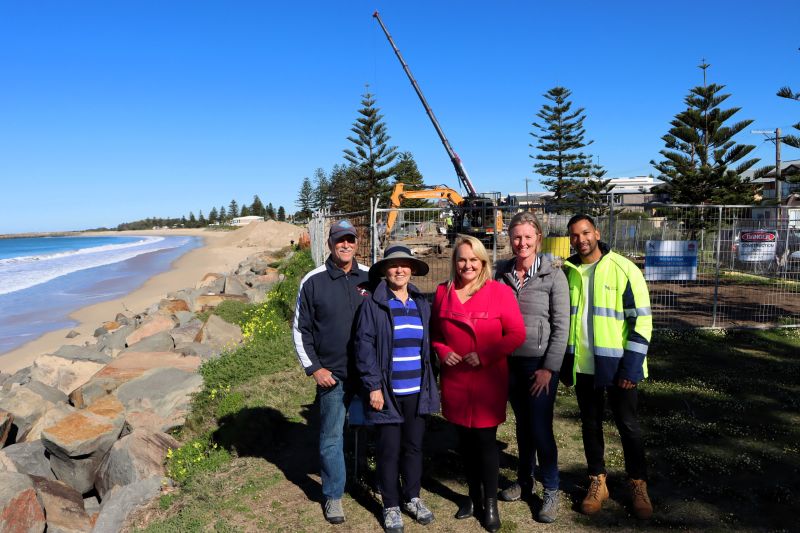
{"x": 269, "y": 235}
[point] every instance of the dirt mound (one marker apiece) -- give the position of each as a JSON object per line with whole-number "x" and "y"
{"x": 269, "y": 235}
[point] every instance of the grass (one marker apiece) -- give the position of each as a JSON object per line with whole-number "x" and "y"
{"x": 721, "y": 413}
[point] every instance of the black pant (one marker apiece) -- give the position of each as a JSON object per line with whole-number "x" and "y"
{"x": 534, "y": 416}
{"x": 591, "y": 401}
{"x": 481, "y": 460}
{"x": 400, "y": 453}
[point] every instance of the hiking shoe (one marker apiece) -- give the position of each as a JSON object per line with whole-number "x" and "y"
{"x": 640, "y": 501}
{"x": 596, "y": 495}
{"x": 549, "y": 511}
{"x": 334, "y": 513}
{"x": 419, "y": 511}
{"x": 392, "y": 520}
{"x": 515, "y": 492}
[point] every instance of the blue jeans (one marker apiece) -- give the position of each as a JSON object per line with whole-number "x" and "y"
{"x": 534, "y": 416}
{"x": 332, "y": 410}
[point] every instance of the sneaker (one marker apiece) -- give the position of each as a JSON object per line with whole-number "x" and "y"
{"x": 596, "y": 495}
{"x": 515, "y": 492}
{"x": 640, "y": 501}
{"x": 419, "y": 511}
{"x": 334, "y": 512}
{"x": 392, "y": 520}
{"x": 549, "y": 511}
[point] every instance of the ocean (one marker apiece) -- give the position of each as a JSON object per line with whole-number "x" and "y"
{"x": 44, "y": 279}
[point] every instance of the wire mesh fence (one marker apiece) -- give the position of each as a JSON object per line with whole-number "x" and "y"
{"x": 706, "y": 266}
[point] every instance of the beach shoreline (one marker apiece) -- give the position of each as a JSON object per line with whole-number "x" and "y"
{"x": 216, "y": 254}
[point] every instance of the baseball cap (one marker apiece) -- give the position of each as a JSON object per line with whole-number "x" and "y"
{"x": 341, "y": 228}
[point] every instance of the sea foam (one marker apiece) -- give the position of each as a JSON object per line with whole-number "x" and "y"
{"x": 18, "y": 273}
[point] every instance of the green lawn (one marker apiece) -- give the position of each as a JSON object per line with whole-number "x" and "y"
{"x": 721, "y": 413}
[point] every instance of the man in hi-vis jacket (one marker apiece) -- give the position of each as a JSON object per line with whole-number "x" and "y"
{"x": 610, "y": 327}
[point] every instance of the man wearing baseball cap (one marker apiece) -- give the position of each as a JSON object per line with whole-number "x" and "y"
{"x": 327, "y": 303}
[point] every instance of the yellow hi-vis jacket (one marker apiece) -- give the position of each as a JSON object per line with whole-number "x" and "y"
{"x": 621, "y": 318}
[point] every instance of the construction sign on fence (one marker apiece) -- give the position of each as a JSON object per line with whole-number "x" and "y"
{"x": 757, "y": 245}
{"x": 670, "y": 260}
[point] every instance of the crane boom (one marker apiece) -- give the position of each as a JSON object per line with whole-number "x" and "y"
{"x": 461, "y": 172}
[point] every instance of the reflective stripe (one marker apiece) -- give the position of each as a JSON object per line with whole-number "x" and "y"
{"x": 636, "y": 347}
{"x": 608, "y": 352}
{"x": 639, "y": 311}
{"x": 573, "y": 310}
{"x": 607, "y": 312}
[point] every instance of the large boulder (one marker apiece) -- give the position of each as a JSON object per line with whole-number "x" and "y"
{"x": 63, "y": 506}
{"x": 5, "y": 426}
{"x": 82, "y": 353}
{"x": 20, "y": 377}
{"x": 160, "y": 399}
{"x": 20, "y": 510}
{"x": 120, "y": 502}
{"x": 51, "y": 416}
{"x": 27, "y": 407}
{"x": 63, "y": 373}
{"x": 268, "y": 278}
{"x": 204, "y": 302}
{"x": 203, "y": 351}
{"x": 26, "y": 458}
{"x": 211, "y": 282}
{"x": 233, "y": 286}
{"x": 49, "y": 393}
{"x": 115, "y": 341}
{"x": 136, "y": 456}
{"x": 170, "y": 306}
{"x": 256, "y": 295}
{"x": 151, "y": 326}
{"x": 160, "y": 342}
{"x": 79, "y": 442}
{"x": 186, "y": 332}
{"x": 125, "y": 368}
{"x": 219, "y": 334}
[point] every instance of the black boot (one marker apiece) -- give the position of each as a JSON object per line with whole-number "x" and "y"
{"x": 491, "y": 516}
{"x": 466, "y": 509}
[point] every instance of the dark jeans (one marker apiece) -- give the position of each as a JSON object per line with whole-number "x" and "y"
{"x": 534, "y": 416}
{"x": 623, "y": 403}
{"x": 400, "y": 453}
{"x": 481, "y": 460}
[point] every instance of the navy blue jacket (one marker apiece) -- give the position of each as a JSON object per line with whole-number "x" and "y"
{"x": 327, "y": 303}
{"x": 373, "y": 346}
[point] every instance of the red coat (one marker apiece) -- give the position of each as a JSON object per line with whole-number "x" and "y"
{"x": 489, "y": 324}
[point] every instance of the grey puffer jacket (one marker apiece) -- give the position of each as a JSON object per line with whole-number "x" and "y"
{"x": 544, "y": 302}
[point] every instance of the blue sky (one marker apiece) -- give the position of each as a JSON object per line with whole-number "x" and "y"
{"x": 115, "y": 111}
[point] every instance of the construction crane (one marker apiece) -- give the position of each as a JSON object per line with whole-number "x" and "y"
{"x": 476, "y": 215}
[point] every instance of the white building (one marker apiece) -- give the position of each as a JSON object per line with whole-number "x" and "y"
{"x": 243, "y": 221}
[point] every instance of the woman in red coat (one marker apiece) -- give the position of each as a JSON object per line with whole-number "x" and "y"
{"x": 476, "y": 323}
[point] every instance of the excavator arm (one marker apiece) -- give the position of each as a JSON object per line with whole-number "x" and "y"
{"x": 399, "y": 194}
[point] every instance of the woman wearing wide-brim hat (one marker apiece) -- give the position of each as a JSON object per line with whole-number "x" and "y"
{"x": 393, "y": 360}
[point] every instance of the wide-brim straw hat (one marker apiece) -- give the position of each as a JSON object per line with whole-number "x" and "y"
{"x": 418, "y": 266}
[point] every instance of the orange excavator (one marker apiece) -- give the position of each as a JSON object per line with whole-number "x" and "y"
{"x": 474, "y": 214}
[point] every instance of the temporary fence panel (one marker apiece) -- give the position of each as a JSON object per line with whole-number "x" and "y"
{"x": 706, "y": 266}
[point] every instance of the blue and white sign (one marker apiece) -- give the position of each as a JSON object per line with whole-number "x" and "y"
{"x": 670, "y": 261}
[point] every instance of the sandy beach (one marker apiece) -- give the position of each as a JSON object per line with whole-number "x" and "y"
{"x": 221, "y": 252}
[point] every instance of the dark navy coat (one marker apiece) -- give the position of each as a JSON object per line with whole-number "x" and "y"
{"x": 373, "y": 347}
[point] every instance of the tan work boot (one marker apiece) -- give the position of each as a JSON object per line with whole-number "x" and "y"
{"x": 640, "y": 501}
{"x": 596, "y": 495}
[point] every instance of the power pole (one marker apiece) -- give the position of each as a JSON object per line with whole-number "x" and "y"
{"x": 778, "y": 166}
{"x": 527, "y": 197}
{"x": 777, "y": 141}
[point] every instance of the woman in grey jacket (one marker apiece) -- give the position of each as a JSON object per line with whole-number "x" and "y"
{"x": 543, "y": 296}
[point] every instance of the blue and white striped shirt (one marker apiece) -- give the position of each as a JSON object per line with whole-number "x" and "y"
{"x": 406, "y": 347}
